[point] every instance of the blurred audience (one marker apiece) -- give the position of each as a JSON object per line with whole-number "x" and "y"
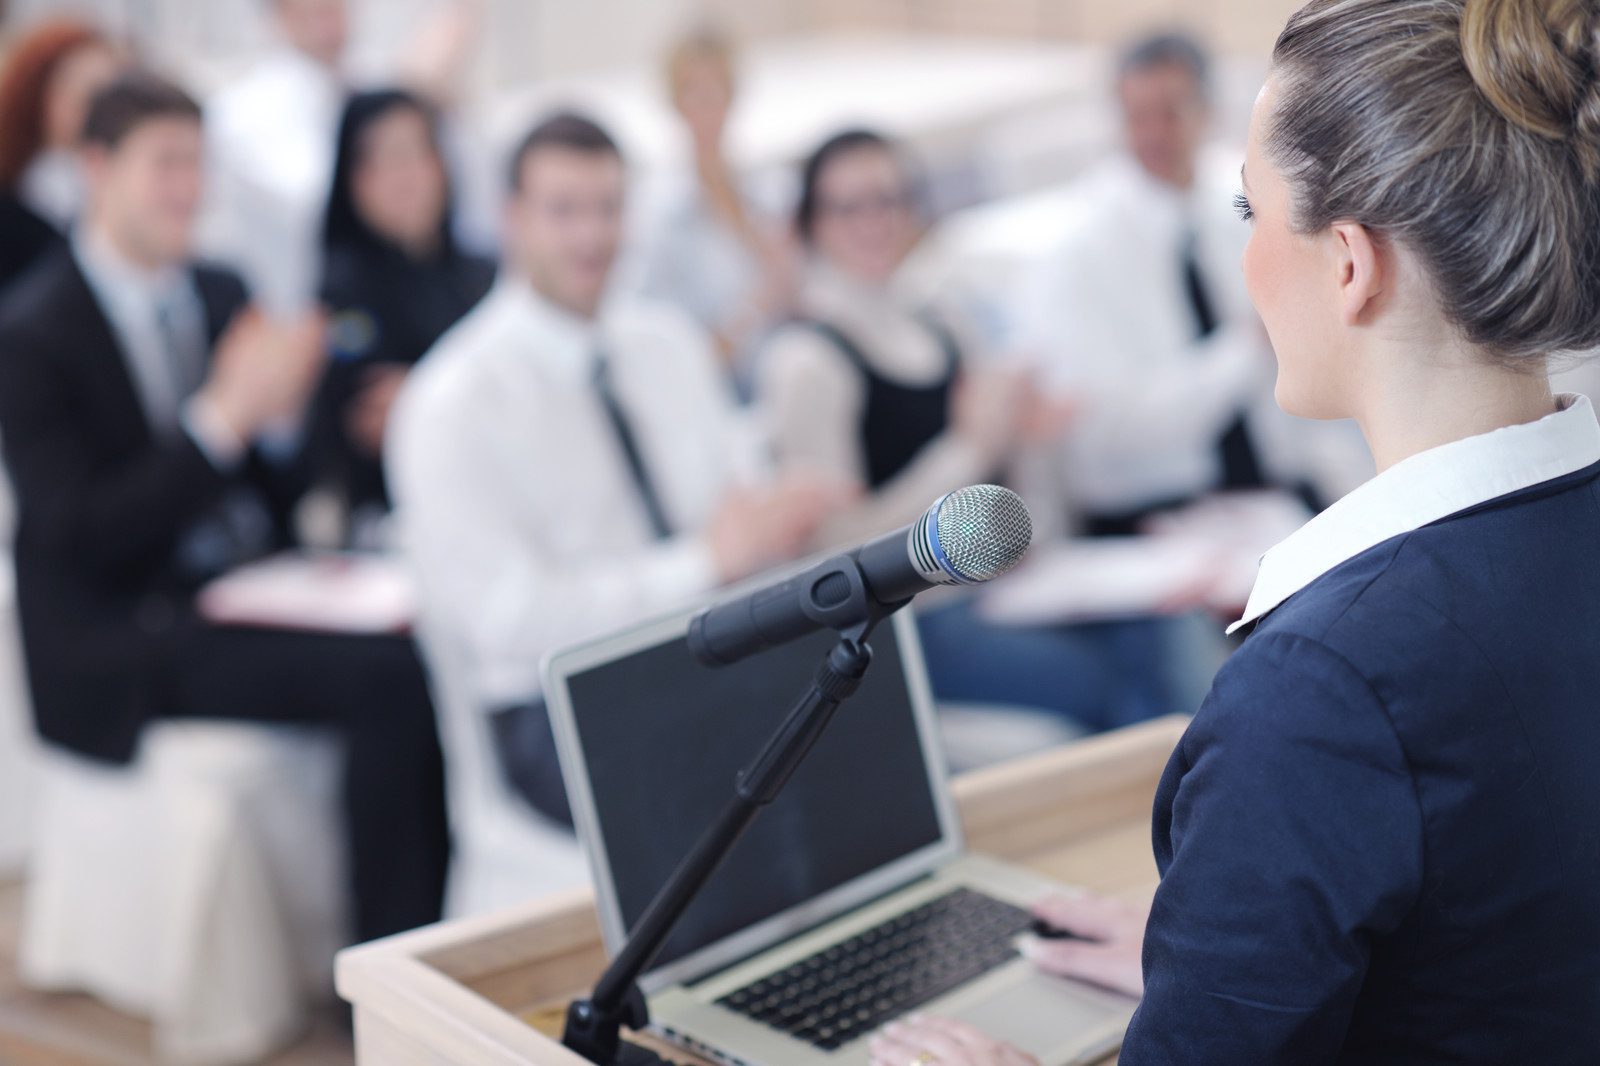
{"x": 870, "y": 387}
{"x": 568, "y": 460}
{"x": 272, "y": 135}
{"x": 1142, "y": 315}
{"x": 50, "y": 74}
{"x": 147, "y": 412}
{"x": 271, "y": 139}
{"x": 567, "y": 457}
{"x": 393, "y": 278}
{"x": 708, "y": 246}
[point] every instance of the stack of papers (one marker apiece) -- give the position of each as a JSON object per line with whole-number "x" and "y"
{"x": 1202, "y": 557}
{"x": 314, "y": 591}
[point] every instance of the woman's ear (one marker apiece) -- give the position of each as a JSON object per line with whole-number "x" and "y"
{"x": 1361, "y": 265}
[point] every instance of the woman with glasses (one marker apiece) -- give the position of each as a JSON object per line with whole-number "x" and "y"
{"x": 873, "y": 387}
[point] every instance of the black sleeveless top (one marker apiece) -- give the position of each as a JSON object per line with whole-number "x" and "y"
{"x": 897, "y": 420}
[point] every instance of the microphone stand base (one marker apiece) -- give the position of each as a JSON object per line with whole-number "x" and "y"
{"x": 598, "y": 1038}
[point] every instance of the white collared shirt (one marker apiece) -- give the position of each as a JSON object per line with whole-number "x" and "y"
{"x": 1109, "y": 316}
{"x": 270, "y": 144}
{"x": 52, "y": 185}
{"x": 691, "y": 256}
{"x": 515, "y": 506}
{"x": 1424, "y": 488}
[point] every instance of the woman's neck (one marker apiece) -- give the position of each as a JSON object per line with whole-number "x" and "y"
{"x": 1415, "y": 403}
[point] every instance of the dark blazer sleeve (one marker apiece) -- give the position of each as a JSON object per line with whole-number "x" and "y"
{"x": 1291, "y": 839}
{"x": 120, "y": 519}
{"x": 25, "y": 238}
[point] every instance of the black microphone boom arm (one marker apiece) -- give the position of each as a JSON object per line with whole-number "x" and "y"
{"x": 594, "y": 1025}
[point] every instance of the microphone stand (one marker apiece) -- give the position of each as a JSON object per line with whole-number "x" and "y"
{"x": 593, "y": 1026}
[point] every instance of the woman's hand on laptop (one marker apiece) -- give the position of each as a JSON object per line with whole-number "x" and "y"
{"x": 924, "y": 1041}
{"x": 1086, "y": 937}
{"x": 1091, "y": 938}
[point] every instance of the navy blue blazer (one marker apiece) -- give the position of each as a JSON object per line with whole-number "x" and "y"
{"x": 1380, "y": 837}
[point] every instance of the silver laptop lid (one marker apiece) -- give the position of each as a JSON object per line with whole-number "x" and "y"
{"x": 650, "y": 743}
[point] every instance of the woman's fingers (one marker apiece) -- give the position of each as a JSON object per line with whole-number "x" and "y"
{"x": 905, "y": 1045}
{"x": 1094, "y": 917}
{"x": 976, "y": 1042}
{"x": 931, "y": 1041}
{"x": 1115, "y": 965}
{"x": 942, "y": 1042}
{"x": 886, "y": 1050}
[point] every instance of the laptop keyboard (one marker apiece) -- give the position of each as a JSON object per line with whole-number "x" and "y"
{"x": 857, "y": 985}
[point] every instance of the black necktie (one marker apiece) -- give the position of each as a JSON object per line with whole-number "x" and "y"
{"x": 628, "y": 444}
{"x": 1240, "y": 466}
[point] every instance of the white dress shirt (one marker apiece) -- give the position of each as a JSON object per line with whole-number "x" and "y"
{"x": 270, "y": 140}
{"x": 811, "y": 398}
{"x": 53, "y": 186}
{"x": 516, "y": 507}
{"x": 1424, "y": 488}
{"x": 1110, "y": 317}
{"x": 691, "y": 256}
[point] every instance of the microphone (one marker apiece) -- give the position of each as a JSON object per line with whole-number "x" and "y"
{"x": 967, "y": 537}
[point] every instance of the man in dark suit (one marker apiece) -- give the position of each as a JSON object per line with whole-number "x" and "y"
{"x": 149, "y": 417}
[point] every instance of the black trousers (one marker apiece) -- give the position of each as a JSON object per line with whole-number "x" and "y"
{"x": 526, "y": 748}
{"x": 372, "y": 691}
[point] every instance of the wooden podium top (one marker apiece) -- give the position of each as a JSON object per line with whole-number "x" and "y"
{"x": 490, "y": 991}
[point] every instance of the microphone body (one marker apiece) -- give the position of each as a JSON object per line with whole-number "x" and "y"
{"x": 967, "y": 537}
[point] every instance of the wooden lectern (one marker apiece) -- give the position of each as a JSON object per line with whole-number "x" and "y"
{"x": 491, "y": 991}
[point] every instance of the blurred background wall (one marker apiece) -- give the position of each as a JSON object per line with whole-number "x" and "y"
{"x": 554, "y": 38}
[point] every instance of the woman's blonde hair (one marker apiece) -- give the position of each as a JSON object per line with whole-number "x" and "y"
{"x": 705, "y": 44}
{"x": 1468, "y": 131}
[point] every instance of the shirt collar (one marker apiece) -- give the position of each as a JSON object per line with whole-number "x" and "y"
{"x": 559, "y": 339}
{"x": 115, "y": 277}
{"x": 1423, "y": 489}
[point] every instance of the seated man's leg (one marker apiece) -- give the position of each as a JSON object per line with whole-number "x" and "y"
{"x": 1054, "y": 669}
{"x": 526, "y": 749}
{"x": 1098, "y": 675}
{"x": 373, "y": 691}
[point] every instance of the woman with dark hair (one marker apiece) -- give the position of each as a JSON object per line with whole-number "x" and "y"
{"x": 1379, "y": 840}
{"x": 393, "y": 279}
{"x": 50, "y": 74}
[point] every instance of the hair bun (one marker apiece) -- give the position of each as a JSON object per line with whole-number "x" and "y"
{"x": 1538, "y": 63}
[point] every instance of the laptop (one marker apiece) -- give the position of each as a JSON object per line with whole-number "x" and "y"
{"x": 848, "y": 903}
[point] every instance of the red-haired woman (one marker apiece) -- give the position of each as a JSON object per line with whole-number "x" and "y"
{"x": 50, "y": 73}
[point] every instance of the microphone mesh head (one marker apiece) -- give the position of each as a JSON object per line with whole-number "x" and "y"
{"x": 984, "y": 530}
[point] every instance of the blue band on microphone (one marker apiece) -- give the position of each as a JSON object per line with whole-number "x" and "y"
{"x": 939, "y": 556}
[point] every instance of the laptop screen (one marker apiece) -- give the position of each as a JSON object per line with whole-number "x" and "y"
{"x": 663, "y": 737}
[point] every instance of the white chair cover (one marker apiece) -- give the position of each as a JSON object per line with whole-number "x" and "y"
{"x": 17, "y": 753}
{"x": 504, "y": 852}
{"x": 202, "y": 887}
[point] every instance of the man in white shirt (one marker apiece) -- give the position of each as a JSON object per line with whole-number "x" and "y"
{"x": 568, "y": 460}
{"x": 270, "y": 139}
{"x": 1142, "y": 315}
